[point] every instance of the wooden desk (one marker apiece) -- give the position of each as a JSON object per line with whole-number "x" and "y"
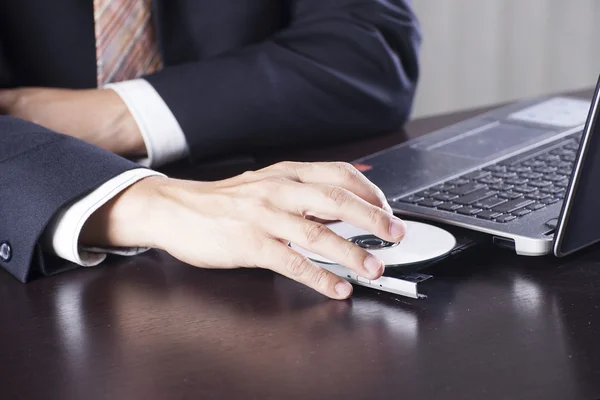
{"x": 494, "y": 326}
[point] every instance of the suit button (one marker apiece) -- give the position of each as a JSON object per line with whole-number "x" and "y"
{"x": 5, "y": 251}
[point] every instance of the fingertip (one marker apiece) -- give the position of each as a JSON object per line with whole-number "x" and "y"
{"x": 343, "y": 289}
{"x": 397, "y": 228}
{"x": 374, "y": 266}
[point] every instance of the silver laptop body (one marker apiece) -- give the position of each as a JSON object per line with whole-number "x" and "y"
{"x": 513, "y": 164}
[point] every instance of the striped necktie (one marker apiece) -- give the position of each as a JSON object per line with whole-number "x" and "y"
{"x": 126, "y": 45}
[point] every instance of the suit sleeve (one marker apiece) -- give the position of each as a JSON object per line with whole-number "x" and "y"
{"x": 341, "y": 69}
{"x": 41, "y": 172}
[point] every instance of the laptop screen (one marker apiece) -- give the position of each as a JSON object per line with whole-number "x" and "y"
{"x": 579, "y": 222}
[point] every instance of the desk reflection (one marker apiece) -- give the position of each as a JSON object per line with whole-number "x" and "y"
{"x": 143, "y": 328}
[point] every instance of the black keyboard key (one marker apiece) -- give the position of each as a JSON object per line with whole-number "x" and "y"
{"x": 490, "y": 180}
{"x": 525, "y": 189}
{"x": 545, "y": 170}
{"x": 495, "y": 168}
{"x": 475, "y": 197}
{"x": 469, "y": 210}
{"x": 553, "y": 190}
{"x": 565, "y": 165}
{"x": 502, "y": 187}
{"x": 476, "y": 175}
{"x": 412, "y": 199}
{"x": 533, "y": 163}
{"x": 517, "y": 181}
{"x": 540, "y": 184}
{"x": 489, "y": 214}
{"x": 426, "y": 193}
{"x": 490, "y": 202}
{"x": 449, "y": 206}
{"x": 550, "y": 200}
{"x": 555, "y": 164}
{"x": 535, "y": 206}
{"x": 504, "y": 175}
{"x": 510, "y": 195}
{"x": 445, "y": 196}
{"x": 565, "y": 172}
{"x": 430, "y": 203}
{"x": 530, "y": 175}
{"x": 505, "y": 218}
{"x": 468, "y": 188}
{"x": 444, "y": 187}
{"x": 519, "y": 169}
{"x": 521, "y": 212}
{"x": 562, "y": 184}
{"x": 513, "y": 205}
{"x": 568, "y": 158}
{"x": 458, "y": 182}
{"x": 554, "y": 177}
{"x": 547, "y": 157}
{"x": 537, "y": 196}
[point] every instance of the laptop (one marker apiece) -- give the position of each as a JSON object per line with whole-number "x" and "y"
{"x": 527, "y": 175}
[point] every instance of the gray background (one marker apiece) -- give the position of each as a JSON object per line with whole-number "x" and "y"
{"x": 479, "y": 52}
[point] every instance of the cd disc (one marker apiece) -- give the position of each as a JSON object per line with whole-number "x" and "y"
{"x": 422, "y": 242}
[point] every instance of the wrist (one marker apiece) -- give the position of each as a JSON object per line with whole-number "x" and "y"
{"x": 130, "y": 219}
{"x": 127, "y": 135}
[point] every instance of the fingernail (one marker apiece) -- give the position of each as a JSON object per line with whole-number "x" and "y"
{"x": 397, "y": 228}
{"x": 373, "y": 265}
{"x": 343, "y": 289}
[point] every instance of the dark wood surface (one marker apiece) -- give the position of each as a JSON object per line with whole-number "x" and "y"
{"x": 494, "y": 326}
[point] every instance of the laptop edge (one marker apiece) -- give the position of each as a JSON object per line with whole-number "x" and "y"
{"x": 578, "y": 224}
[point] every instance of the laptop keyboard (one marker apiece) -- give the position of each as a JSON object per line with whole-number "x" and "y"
{"x": 508, "y": 190}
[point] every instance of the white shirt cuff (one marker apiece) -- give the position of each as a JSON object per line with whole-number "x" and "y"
{"x": 164, "y": 138}
{"x": 62, "y": 234}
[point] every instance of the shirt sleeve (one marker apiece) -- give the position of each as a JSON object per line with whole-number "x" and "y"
{"x": 164, "y": 139}
{"x": 62, "y": 234}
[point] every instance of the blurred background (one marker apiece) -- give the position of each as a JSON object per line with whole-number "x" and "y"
{"x": 480, "y": 52}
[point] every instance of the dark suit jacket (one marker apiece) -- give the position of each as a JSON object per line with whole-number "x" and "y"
{"x": 242, "y": 74}
{"x": 239, "y": 75}
{"x": 40, "y": 172}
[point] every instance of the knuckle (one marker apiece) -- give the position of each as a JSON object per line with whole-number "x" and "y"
{"x": 251, "y": 208}
{"x": 347, "y": 170}
{"x": 321, "y": 280}
{"x": 267, "y": 187}
{"x": 296, "y": 264}
{"x": 285, "y": 165}
{"x": 338, "y": 195}
{"x": 274, "y": 182}
{"x": 315, "y": 232}
{"x": 248, "y": 175}
{"x": 257, "y": 244}
{"x": 262, "y": 206}
{"x": 377, "y": 216}
{"x": 350, "y": 250}
{"x": 263, "y": 242}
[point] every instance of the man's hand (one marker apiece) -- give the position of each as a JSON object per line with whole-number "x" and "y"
{"x": 97, "y": 116}
{"x": 249, "y": 220}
